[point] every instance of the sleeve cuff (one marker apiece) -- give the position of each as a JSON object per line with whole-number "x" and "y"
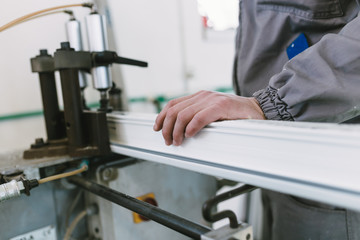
{"x": 273, "y": 107}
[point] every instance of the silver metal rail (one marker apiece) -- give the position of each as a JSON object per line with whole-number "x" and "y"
{"x": 317, "y": 161}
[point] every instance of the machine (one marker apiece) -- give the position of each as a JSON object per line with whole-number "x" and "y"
{"x": 78, "y": 142}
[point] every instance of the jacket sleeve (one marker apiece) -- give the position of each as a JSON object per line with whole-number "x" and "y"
{"x": 320, "y": 84}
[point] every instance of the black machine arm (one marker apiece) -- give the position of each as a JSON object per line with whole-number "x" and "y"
{"x": 108, "y": 57}
{"x": 147, "y": 210}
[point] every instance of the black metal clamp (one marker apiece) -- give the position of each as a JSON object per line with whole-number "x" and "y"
{"x": 212, "y": 202}
{"x": 75, "y": 131}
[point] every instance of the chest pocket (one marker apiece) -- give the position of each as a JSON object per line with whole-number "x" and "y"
{"x": 309, "y": 9}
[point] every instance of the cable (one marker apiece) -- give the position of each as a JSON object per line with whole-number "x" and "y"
{"x": 89, "y": 211}
{"x": 41, "y": 15}
{"x": 73, "y": 224}
{"x": 30, "y": 15}
{"x": 72, "y": 207}
{"x": 15, "y": 188}
{"x": 63, "y": 175}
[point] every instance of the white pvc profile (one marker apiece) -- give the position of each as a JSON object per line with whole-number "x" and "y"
{"x": 317, "y": 161}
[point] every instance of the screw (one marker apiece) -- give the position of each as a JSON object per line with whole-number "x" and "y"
{"x": 108, "y": 174}
{"x": 43, "y": 52}
{"x": 39, "y": 142}
{"x": 65, "y": 45}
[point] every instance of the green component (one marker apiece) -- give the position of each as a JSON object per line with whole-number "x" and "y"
{"x": 93, "y": 105}
{"x": 84, "y": 162}
{"x": 161, "y": 99}
{"x": 138, "y": 99}
{"x": 20, "y": 115}
{"x": 225, "y": 89}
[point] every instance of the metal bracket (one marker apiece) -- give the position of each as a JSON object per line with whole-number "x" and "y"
{"x": 212, "y": 202}
{"x": 75, "y": 131}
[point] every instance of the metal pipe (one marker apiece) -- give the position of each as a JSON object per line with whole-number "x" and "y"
{"x": 147, "y": 210}
{"x": 97, "y": 38}
{"x": 73, "y": 32}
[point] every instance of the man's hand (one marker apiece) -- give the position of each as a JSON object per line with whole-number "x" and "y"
{"x": 185, "y": 116}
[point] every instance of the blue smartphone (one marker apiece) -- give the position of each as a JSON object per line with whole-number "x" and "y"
{"x": 297, "y": 46}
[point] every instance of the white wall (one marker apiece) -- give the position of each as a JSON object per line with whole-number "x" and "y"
{"x": 209, "y": 54}
{"x": 168, "y": 34}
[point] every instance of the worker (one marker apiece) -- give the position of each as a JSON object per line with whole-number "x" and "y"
{"x": 295, "y": 60}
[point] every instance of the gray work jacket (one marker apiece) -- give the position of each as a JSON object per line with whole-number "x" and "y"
{"x": 320, "y": 84}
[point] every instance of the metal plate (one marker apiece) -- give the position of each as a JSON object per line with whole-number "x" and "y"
{"x": 46, "y": 233}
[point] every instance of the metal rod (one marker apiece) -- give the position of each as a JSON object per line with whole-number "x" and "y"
{"x": 147, "y": 210}
{"x": 72, "y": 107}
{"x": 55, "y": 128}
{"x": 212, "y": 202}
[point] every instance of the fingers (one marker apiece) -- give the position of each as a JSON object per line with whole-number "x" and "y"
{"x": 174, "y": 119}
{"x": 201, "y": 119}
{"x": 183, "y": 119}
{"x": 177, "y": 117}
{"x": 192, "y": 119}
{"x": 161, "y": 116}
{"x": 186, "y": 116}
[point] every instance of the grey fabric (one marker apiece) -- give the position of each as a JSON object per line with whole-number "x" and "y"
{"x": 287, "y": 217}
{"x": 267, "y": 29}
{"x": 273, "y": 107}
{"x": 320, "y": 84}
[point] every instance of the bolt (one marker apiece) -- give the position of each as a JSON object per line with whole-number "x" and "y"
{"x": 65, "y": 45}
{"x": 43, "y": 52}
{"x": 248, "y": 236}
{"x": 108, "y": 174}
{"x": 39, "y": 142}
